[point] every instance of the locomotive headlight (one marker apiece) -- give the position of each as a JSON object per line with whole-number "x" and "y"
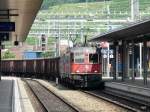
{"x": 95, "y": 71}
{"x": 86, "y": 66}
{"x": 77, "y": 71}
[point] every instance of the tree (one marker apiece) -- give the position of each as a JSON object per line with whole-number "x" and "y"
{"x": 8, "y": 55}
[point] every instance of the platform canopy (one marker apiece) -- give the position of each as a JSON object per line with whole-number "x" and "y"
{"x": 22, "y": 12}
{"x": 136, "y": 31}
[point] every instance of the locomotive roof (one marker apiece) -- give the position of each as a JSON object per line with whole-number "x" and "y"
{"x": 83, "y": 49}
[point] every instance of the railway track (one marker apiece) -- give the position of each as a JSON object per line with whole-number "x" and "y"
{"x": 120, "y": 102}
{"x": 86, "y": 103}
{"x": 49, "y": 100}
{"x": 117, "y": 100}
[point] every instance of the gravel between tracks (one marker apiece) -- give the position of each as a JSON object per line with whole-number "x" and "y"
{"x": 81, "y": 100}
{"x": 49, "y": 100}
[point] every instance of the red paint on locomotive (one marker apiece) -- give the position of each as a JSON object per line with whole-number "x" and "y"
{"x": 85, "y": 68}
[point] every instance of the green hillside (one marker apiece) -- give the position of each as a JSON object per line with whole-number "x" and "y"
{"x": 77, "y": 8}
{"x": 115, "y": 9}
{"x": 96, "y": 9}
{"x": 49, "y": 3}
{"x": 58, "y": 6}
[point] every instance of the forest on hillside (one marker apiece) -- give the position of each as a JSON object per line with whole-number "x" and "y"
{"x": 48, "y": 3}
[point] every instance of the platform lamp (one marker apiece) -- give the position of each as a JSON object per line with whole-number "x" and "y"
{"x": 16, "y": 42}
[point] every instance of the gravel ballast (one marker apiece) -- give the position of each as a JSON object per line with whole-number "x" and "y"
{"x": 81, "y": 100}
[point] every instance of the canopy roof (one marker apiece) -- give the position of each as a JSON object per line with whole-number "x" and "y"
{"x": 137, "y": 32}
{"x": 22, "y": 12}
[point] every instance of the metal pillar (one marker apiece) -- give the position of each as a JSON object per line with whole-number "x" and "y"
{"x": 124, "y": 63}
{"x": 127, "y": 61}
{"x": 133, "y": 69}
{"x": 108, "y": 68}
{"x": 57, "y": 47}
{"x": 145, "y": 62}
{"x": 135, "y": 10}
{"x": 102, "y": 65}
{"x": 115, "y": 47}
{"x": 82, "y": 33}
{"x": 122, "y": 60}
{"x": 117, "y": 61}
{"x": 140, "y": 60}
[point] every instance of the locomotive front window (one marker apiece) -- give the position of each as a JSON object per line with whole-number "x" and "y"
{"x": 93, "y": 58}
{"x": 72, "y": 57}
{"x": 79, "y": 58}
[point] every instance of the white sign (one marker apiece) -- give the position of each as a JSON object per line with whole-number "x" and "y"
{"x": 104, "y": 56}
{"x": 105, "y": 51}
{"x": 110, "y": 56}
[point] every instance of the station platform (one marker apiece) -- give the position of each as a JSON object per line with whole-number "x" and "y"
{"x": 6, "y": 94}
{"x": 13, "y": 96}
{"x": 137, "y": 82}
{"x": 135, "y": 89}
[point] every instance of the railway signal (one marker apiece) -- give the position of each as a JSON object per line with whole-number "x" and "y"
{"x": 43, "y": 42}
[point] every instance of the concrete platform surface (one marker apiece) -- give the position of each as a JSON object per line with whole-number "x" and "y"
{"x": 137, "y": 82}
{"x": 6, "y": 93}
{"x": 26, "y": 105}
{"x": 13, "y": 96}
{"x": 129, "y": 88}
{"x": 135, "y": 90}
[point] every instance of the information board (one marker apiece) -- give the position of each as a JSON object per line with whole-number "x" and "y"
{"x": 7, "y": 26}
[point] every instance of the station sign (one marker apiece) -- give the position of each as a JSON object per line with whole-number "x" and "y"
{"x": 110, "y": 56}
{"x": 7, "y": 26}
{"x": 107, "y": 53}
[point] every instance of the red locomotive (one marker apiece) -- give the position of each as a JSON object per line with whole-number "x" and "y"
{"x": 79, "y": 66}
